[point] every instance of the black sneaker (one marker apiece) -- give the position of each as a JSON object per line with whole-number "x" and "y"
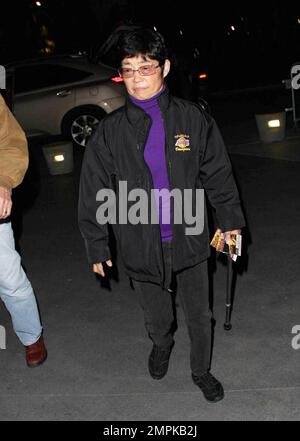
{"x": 212, "y": 389}
{"x": 159, "y": 361}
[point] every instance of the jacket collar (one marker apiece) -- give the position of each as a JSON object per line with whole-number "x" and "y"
{"x": 135, "y": 113}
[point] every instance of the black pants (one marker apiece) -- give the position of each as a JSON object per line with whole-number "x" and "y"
{"x": 193, "y": 291}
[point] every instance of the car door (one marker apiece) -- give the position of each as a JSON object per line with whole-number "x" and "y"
{"x": 43, "y": 95}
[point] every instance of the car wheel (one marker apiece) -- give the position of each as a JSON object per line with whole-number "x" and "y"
{"x": 79, "y": 124}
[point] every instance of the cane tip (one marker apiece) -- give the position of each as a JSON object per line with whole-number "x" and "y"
{"x": 227, "y": 326}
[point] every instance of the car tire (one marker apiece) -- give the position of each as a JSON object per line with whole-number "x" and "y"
{"x": 80, "y": 123}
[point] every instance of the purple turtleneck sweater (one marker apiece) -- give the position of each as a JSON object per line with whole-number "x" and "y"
{"x": 155, "y": 158}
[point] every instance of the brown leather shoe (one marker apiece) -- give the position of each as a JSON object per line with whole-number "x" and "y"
{"x": 36, "y": 354}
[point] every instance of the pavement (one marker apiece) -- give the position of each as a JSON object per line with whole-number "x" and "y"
{"x": 98, "y": 347}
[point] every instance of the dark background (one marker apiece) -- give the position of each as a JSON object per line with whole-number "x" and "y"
{"x": 260, "y": 51}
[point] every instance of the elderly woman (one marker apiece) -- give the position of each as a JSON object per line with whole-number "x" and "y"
{"x": 162, "y": 143}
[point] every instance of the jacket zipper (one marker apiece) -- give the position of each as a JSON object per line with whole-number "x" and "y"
{"x": 151, "y": 186}
{"x": 169, "y": 172}
{"x": 169, "y": 166}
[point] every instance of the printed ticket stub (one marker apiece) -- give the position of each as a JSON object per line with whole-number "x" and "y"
{"x": 233, "y": 246}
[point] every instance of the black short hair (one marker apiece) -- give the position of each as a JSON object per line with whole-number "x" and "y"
{"x": 142, "y": 41}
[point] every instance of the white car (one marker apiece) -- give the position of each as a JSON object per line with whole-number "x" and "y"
{"x": 65, "y": 95}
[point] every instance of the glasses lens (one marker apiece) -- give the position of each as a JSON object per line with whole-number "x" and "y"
{"x": 126, "y": 72}
{"x": 147, "y": 70}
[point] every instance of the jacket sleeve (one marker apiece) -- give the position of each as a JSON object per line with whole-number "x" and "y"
{"x": 95, "y": 175}
{"x": 218, "y": 181}
{"x": 13, "y": 149}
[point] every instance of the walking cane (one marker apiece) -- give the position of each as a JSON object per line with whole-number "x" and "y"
{"x": 227, "y": 324}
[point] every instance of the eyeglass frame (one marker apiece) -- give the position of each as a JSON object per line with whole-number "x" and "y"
{"x": 138, "y": 70}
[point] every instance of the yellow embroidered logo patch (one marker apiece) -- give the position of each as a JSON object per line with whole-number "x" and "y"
{"x": 183, "y": 143}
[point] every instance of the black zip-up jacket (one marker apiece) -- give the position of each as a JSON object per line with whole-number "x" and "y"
{"x": 116, "y": 153}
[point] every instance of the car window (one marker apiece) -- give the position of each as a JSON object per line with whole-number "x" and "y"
{"x": 39, "y": 76}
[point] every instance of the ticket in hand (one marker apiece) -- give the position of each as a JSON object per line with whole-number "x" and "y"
{"x": 233, "y": 246}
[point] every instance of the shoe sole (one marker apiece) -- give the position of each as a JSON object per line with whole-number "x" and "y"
{"x": 158, "y": 377}
{"x": 216, "y": 400}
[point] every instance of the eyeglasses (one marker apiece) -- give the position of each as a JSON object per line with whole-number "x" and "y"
{"x": 128, "y": 72}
